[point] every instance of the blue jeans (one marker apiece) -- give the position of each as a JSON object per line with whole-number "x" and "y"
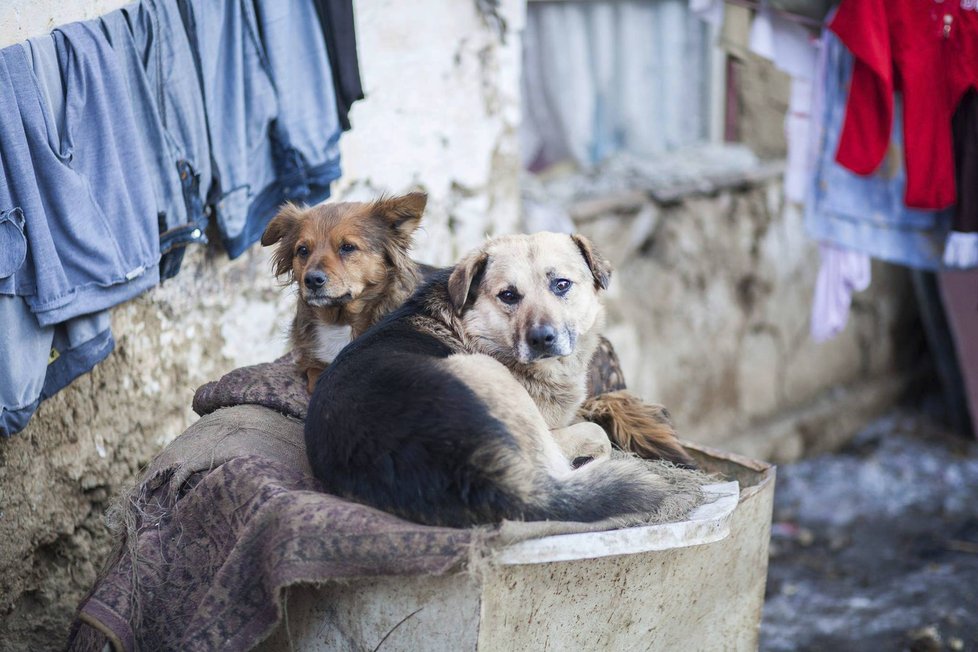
{"x": 274, "y": 129}
{"x": 241, "y": 107}
{"x": 159, "y": 151}
{"x": 307, "y": 154}
{"x": 40, "y": 361}
{"x": 866, "y": 214}
{"x": 70, "y": 168}
{"x": 170, "y": 68}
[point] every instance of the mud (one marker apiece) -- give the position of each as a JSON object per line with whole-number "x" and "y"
{"x": 876, "y": 547}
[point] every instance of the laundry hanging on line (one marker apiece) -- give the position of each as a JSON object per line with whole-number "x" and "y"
{"x": 107, "y": 177}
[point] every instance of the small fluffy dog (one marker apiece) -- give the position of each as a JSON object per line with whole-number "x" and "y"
{"x": 458, "y": 408}
{"x": 350, "y": 261}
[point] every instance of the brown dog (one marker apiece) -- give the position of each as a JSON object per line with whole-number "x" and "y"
{"x": 548, "y": 318}
{"x": 351, "y": 265}
{"x": 352, "y": 268}
{"x": 461, "y": 407}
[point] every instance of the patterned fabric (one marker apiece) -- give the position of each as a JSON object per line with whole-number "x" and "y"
{"x": 279, "y": 385}
{"x": 205, "y": 564}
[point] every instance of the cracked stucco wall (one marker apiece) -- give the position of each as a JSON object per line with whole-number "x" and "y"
{"x": 442, "y": 108}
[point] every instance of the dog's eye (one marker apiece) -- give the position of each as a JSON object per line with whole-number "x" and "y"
{"x": 346, "y": 248}
{"x": 560, "y": 286}
{"x": 302, "y": 251}
{"x": 508, "y": 297}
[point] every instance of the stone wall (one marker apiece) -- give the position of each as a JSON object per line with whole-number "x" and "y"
{"x": 442, "y": 85}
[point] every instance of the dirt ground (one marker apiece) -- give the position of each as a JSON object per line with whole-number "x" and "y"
{"x": 876, "y": 547}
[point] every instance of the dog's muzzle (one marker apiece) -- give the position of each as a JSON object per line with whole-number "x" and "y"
{"x": 545, "y": 341}
{"x": 314, "y": 280}
{"x": 317, "y": 294}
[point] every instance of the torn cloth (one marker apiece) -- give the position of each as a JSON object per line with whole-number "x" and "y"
{"x": 205, "y": 555}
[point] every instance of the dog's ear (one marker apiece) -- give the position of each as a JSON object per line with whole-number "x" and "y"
{"x": 288, "y": 218}
{"x": 402, "y": 214}
{"x": 283, "y": 228}
{"x": 600, "y": 268}
{"x": 465, "y": 279}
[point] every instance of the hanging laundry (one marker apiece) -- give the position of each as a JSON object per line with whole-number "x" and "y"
{"x": 152, "y": 140}
{"x": 336, "y": 19}
{"x": 38, "y": 362}
{"x": 307, "y": 129}
{"x": 65, "y": 249}
{"x": 709, "y": 11}
{"x": 172, "y": 75}
{"x": 84, "y": 193}
{"x": 961, "y": 250}
{"x": 842, "y": 273}
{"x": 241, "y": 107}
{"x": 792, "y": 48}
{"x": 272, "y": 117}
{"x": 928, "y": 50}
{"x": 865, "y": 213}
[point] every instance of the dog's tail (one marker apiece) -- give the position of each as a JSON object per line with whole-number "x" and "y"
{"x": 636, "y": 426}
{"x": 604, "y": 489}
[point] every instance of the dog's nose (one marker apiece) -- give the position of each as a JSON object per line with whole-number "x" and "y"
{"x": 314, "y": 280}
{"x": 542, "y": 338}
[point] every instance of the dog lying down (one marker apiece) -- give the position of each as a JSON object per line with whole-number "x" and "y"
{"x": 350, "y": 265}
{"x": 457, "y": 408}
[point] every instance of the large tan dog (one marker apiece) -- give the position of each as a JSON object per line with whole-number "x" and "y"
{"x": 449, "y": 411}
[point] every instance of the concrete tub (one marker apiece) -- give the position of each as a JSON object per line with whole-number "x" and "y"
{"x": 693, "y": 585}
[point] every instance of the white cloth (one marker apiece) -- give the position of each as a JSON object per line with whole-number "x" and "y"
{"x": 789, "y": 45}
{"x": 793, "y": 50}
{"x": 709, "y": 11}
{"x": 842, "y": 272}
{"x": 961, "y": 250}
{"x": 609, "y": 76}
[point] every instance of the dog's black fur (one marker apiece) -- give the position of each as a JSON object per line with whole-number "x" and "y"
{"x": 372, "y": 436}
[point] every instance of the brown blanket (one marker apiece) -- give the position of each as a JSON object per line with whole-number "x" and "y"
{"x": 228, "y": 516}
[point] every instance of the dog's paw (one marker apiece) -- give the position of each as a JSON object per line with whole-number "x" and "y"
{"x": 582, "y": 441}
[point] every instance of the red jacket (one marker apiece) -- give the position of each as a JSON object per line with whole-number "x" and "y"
{"x": 928, "y": 49}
